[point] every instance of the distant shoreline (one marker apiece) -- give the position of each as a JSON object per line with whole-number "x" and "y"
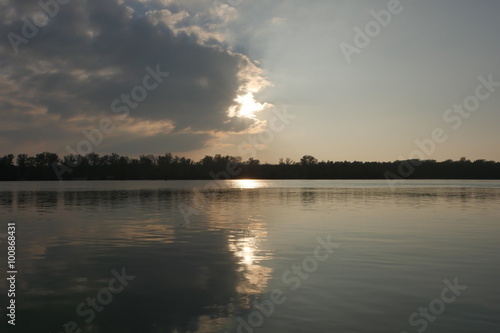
{"x": 48, "y": 166}
{"x": 209, "y": 179}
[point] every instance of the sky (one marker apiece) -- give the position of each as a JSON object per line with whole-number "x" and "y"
{"x": 336, "y": 79}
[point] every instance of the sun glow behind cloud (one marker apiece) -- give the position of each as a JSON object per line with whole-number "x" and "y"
{"x": 246, "y": 106}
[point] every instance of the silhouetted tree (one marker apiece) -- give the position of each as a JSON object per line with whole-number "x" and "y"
{"x": 308, "y": 160}
{"x": 114, "y": 166}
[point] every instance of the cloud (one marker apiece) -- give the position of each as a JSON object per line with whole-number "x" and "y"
{"x": 277, "y": 20}
{"x": 92, "y": 52}
{"x": 156, "y": 144}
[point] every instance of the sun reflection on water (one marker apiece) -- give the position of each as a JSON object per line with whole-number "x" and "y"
{"x": 247, "y": 248}
{"x": 249, "y": 183}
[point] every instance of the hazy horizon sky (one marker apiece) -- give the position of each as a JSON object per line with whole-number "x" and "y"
{"x": 232, "y": 65}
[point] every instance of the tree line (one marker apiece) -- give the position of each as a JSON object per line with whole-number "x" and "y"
{"x": 49, "y": 166}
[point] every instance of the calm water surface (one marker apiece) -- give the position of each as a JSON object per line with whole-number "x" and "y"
{"x": 205, "y": 255}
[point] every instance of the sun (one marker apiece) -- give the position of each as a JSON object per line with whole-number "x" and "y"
{"x": 246, "y": 106}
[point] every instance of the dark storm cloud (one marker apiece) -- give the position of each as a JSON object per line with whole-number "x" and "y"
{"x": 157, "y": 144}
{"x": 92, "y": 52}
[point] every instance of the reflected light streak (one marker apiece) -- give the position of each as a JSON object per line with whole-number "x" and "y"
{"x": 249, "y": 183}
